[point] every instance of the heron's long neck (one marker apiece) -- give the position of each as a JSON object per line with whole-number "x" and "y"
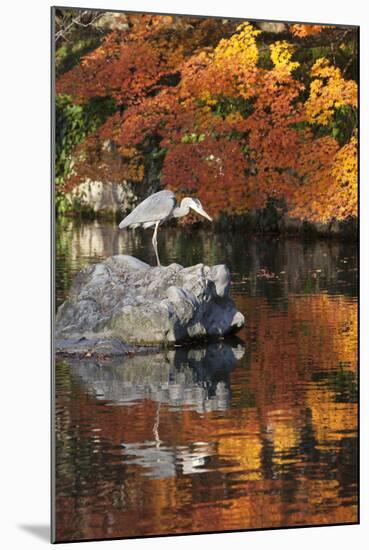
{"x": 181, "y": 210}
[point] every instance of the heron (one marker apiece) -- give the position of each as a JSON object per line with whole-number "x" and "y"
{"x": 158, "y": 208}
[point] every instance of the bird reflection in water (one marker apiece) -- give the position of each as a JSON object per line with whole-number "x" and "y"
{"x": 195, "y": 378}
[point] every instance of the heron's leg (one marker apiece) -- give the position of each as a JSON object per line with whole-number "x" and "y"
{"x": 155, "y": 242}
{"x": 155, "y": 429}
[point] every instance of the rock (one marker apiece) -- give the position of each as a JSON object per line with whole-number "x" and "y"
{"x": 107, "y": 198}
{"x": 125, "y": 299}
{"x": 95, "y": 347}
{"x": 104, "y": 197}
{"x": 272, "y": 27}
{"x": 111, "y": 21}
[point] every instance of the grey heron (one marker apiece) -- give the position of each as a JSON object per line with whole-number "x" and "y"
{"x": 158, "y": 208}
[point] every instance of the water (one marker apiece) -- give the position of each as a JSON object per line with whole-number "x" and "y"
{"x": 257, "y": 432}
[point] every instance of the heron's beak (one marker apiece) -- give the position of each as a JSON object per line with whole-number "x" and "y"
{"x": 202, "y": 212}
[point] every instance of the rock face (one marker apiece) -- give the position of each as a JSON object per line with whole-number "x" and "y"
{"x": 104, "y": 197}
{"x": 125, "y": 299}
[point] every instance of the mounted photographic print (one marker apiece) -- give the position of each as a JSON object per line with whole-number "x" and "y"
{"x": 205, "y": 231}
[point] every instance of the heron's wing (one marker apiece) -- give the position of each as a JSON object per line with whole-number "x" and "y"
{"x": 157, "y": 207}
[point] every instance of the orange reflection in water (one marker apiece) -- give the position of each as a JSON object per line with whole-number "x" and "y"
{"x": 280, "y": 453}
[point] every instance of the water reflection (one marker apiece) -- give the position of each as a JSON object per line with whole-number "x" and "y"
{"x": 193, "y": 377}
{"x": 271, "y": 267}
{"x": 239, "y": 436}
{"x": 161, "y": 461}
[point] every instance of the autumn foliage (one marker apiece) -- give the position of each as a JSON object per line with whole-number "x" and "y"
{"x": 227, "y": 112}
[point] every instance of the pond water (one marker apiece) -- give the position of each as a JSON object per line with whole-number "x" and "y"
{"x": 256, "y": 432}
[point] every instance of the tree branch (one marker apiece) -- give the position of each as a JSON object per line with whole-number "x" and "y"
{"x": 63, "y": 31}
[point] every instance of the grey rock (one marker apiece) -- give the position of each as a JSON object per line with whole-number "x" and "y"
{"x": 104, "y": 196}
{"x": 112, "y": 21}
{"x": 272, "y": 27}
{"x": 124, "y": 298}
{"x": 93, "y": 347}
